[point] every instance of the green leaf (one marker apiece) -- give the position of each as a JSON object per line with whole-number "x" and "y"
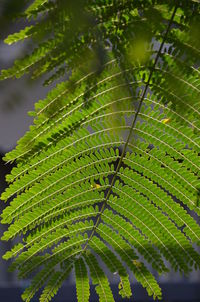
{"x": 106, "y": 180}
{"x": 82, "y": 281}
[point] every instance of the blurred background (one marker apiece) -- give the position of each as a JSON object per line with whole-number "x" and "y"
{"x": 17, "y": 97}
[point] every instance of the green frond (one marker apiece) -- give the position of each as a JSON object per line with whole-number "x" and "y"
{"x": 99, "y": 279}
{"x": 63, "y": 251}
{"x": 20, "y": 36}
{"x": 39, "y": 280}
{"x": 28, "y": 222}
{"x": 128, "y": 256}
{"x": 23, "y": 66}
{"x": 134, "y": 237}
{"x": 82, "y": 281}
{"x": 114, "y": 265}
{"x": 14, "y": 251}
{"x": 108, "y": 174}
{"x": 54, "y": 284}
{"x": 177, "y": 213}
{"x": 169, "y": 236}
{"x": 70, "y": 113}
{"x": 35, "y": 7}
{"x": 156, "y": 173}
{"x": 41, "y": 244}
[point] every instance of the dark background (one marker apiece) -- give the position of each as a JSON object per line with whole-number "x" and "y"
{"x": 17, "y": 97}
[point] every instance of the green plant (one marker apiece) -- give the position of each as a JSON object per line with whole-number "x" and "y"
{"x": 110, "y": 148}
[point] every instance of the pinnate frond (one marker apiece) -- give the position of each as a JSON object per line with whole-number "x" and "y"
{"x": 106, "y": 180}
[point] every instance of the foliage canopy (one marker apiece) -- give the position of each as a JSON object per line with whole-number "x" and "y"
{"x": 109, "y": 171}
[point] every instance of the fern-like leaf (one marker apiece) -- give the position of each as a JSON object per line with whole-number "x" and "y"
{"x": 108, "y": 174}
